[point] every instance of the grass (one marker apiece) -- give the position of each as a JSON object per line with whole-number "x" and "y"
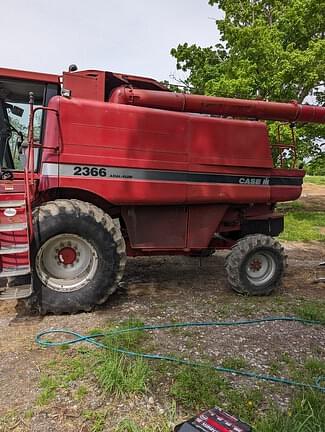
{"x": 96, "y": 418}
{"x": 235, "y": 363}
{"x": 81, "y": 392}
{"x": 49, "y": 386}
{"x": 192, "y": 389}
{"x": 197, "y": 388}
{"x": 154, "y": 423}
{"x": 305, "y": 414}
{"x": 157, "y": 425}
{"x": 311, "y": 310}
{"x": 302, "y": 225}
{"x": 118, "y": 374}
{"x": 318, "y": 180}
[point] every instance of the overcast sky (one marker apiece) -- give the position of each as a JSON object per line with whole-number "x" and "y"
{"x": 130, "y": 36}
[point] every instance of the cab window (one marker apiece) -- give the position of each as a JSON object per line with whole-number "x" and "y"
{"x": 14, "y": 118}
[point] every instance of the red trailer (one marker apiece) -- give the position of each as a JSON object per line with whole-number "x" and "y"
{"x": 97, "y": 165}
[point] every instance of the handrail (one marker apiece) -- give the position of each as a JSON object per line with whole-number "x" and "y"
{"x": 280, "y": 147}
{"x": 29, "y": 170}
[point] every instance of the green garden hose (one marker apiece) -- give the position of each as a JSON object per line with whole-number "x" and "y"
{"x": 76, "y": 338}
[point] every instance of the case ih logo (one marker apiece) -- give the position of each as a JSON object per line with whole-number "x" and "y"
{"x": 254, "y": 181}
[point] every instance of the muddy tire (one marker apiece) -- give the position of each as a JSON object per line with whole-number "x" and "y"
{"x": 255, "y": 265}
{"x": 78, "y": 257}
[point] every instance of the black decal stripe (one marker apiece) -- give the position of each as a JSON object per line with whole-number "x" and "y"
{"x": 286, "y": 181}
{"x": 172, "y": 176}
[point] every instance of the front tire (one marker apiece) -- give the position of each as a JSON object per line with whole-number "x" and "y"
{"x": 255, "y": 265}
{"x": 78, "y": 256}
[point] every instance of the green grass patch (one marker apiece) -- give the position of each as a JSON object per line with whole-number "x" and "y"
{"x": 49, "y": 386}
{"x": 193, "y": 389}
{"x": 197, "y": 388}
{"x": 128, "y": 425}
{"x": 81, "y": 392}
{"x": 97, "y": 420}
{"x": 235, "y": 363}
{"x": 311, "y": 310}
{"x": 305, "y": 414}
{"x": 159, "y": 425}
{"x": 302, "y": 225}
{"x": 119, "y": 375}
{"x": 318, "y": 180}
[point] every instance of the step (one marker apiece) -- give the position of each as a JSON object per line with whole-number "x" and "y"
{"x": 12, "y": 204}
{"x": 18, "y": 248}
{"x": 15, "y": 292}
{"x": 13, "y": 227}
{"x": 15, "y": 271}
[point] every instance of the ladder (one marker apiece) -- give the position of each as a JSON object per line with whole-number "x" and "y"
{"x": 16, "y": 227}
{"x": 16, "y": 224}
{"x": 14, "y": 241}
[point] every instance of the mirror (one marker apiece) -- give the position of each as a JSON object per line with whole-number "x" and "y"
{"x": 16, "y": 110}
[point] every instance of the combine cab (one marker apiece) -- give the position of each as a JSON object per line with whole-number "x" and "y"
{"x": 96, "y": 166}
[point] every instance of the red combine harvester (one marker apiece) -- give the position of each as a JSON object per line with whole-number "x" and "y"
{"x": 97, "y": 165}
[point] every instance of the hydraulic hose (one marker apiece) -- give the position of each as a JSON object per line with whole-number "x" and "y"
{"x": 92, "y": 339}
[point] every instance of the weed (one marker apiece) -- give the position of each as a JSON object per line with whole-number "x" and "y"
{"x": 235, "y": 363}
{"x": 127, "y": 425}
{"x": 311, "y": 310}
{"x": 305, "y": 414}
{"x": 162, "y": 423}
{"x": 29, "y": 414}
{"x": 197, "y": 387}
{"x": 81, "y": 392}
{"x": 49, "y": 386}
{"x": 119, "y": 375}
{"x": 244, "y": 402}
{"x": 274, "y": 368}
{"x": 97, "y": 419}
{"x": 128, "y": 340}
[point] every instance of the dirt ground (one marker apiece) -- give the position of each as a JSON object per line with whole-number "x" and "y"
{"x": 159, "y": 290}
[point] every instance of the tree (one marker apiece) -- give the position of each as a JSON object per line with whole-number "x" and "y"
{"x": 273, "y": 49}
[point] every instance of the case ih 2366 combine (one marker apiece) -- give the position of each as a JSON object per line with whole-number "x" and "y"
{"x": 96, "y": 166}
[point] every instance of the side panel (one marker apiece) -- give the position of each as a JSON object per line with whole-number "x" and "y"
{"x": 172, "y": 227}
{"x": 85, "y": 84}
{"x": 156, "y": 227}
{"x": 203, "y": 222}
{"x": 228, "y": 142}
{"x": 139, "y": 156}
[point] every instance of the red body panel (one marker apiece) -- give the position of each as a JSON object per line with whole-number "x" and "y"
{"x": 29, "y": 76}
{"x": 174, "y": 177}
{"x": 111, "y": 135}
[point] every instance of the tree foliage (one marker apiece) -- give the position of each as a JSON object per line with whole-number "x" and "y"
{"x": 273, "y": 49}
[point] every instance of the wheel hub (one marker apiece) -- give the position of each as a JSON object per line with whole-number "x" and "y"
{"x": 66, "y": 262}
{"x": 260, "y": 268}
{"x": 255, "y": 265}
{"x": 67, "y": 255}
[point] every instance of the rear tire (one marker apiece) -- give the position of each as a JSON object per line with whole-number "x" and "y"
{"x": 78, "y": 256}
{"x": 255, "y": 265}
